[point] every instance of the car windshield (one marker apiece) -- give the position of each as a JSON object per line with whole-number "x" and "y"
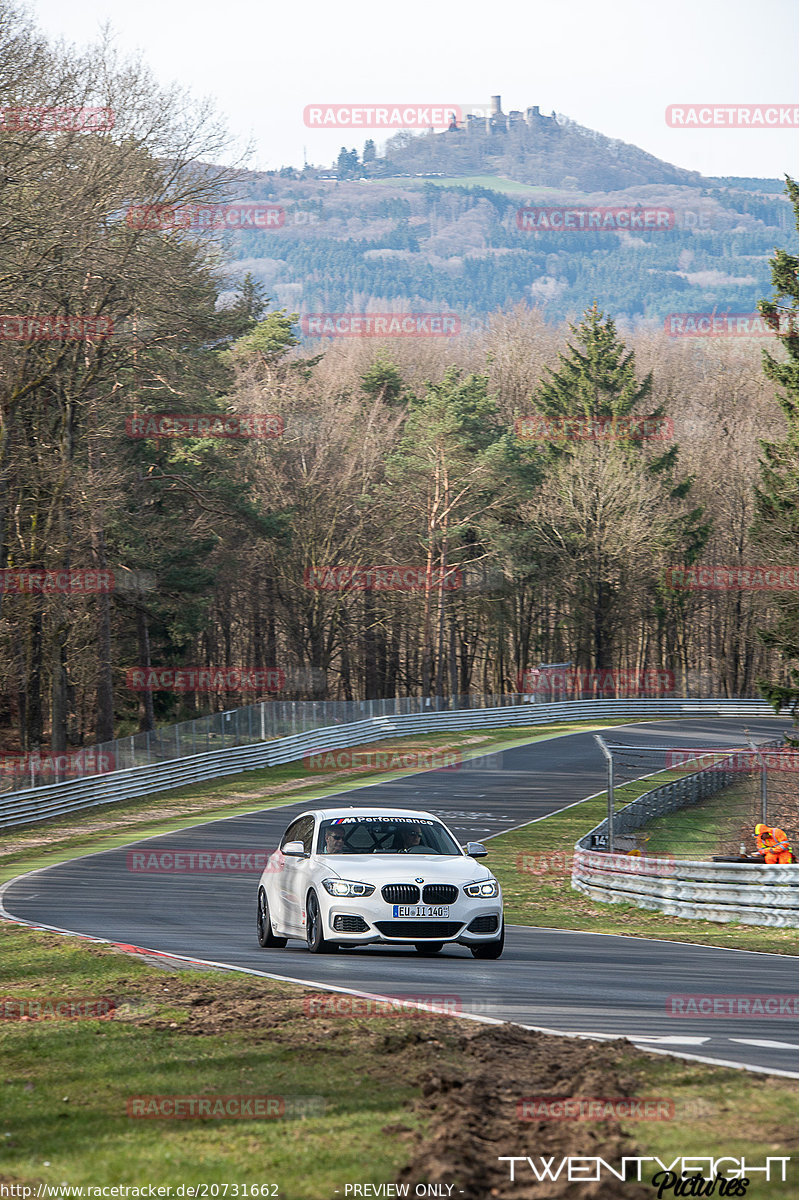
{"x": 385, "y": 835}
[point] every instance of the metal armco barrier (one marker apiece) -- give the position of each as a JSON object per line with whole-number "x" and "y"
{"x": 36, "y": 804}
{"x": 754, "y": 894}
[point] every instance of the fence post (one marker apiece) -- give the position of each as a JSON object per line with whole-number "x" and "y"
{"x": 763, "y": 783}
{"x": 601, "y": 743}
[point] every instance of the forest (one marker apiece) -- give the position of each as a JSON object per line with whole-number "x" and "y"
{"x": 199, "y": 510}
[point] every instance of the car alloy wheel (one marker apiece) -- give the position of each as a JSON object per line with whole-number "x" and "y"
{"x": 265, "y": 936}
{"x": 490, "y": 949}
{"x": 317, "y": 943}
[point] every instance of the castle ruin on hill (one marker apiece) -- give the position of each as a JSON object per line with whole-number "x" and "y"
{"x": 499, "y": 122}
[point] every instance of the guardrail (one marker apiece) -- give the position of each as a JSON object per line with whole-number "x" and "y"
{"x": 752, "y": 893}
{"x": 53, "y": 800}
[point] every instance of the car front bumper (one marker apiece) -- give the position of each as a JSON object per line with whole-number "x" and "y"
{"x": 470, "y": 923}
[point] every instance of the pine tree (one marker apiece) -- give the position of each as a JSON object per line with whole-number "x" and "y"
{"x": 592, "y": 406}
{"x": 776, "y": 524}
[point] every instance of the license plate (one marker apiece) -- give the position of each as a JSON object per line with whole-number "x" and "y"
{"x": 421, "y": 910}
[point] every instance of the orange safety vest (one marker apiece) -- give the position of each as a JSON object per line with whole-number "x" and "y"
{"x": 775, "y": 844}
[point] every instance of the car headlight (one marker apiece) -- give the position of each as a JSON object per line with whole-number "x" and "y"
{"x": 347, "y": 887}
{"x": 484, "y": 890}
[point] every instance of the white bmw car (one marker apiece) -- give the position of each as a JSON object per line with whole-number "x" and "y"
{"x": 355, "y": 876}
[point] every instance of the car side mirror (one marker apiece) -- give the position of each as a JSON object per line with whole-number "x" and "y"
{"x": 294, "y": 850}
{"x": 475, "y": 850}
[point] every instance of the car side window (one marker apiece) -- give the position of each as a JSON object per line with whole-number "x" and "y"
{"x": 294, "y": 833}
{"x": 304, "y": 833}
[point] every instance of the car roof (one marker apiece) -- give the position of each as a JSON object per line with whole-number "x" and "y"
{"x": 326, "y": 814}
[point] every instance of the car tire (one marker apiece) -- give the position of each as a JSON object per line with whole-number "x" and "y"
{"x": 490, "y": 949}
{"x": 428, "y": 948}
{"x": 266, "y": 938}
{"x": 316, "y": 942}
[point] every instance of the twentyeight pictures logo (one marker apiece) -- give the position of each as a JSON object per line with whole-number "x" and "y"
{"x": 380, "y": 324}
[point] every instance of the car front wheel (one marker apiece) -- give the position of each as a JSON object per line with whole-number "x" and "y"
{"x": 490, "y": 949}
{"x": 317, "y": 943}
{"x": 265, "y": 936}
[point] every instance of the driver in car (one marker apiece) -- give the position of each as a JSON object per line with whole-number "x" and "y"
{"x": 334, "y": 842}
{"x": 407, "y": 839}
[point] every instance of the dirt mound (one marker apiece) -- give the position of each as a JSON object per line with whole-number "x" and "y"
{"x": 474, "y": 1116}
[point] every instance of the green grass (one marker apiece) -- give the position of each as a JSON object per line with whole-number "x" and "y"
{"x": 109, "y": 826}
{"x": 496, "y": 183}
{"x": 533, "y": 864}
{"x": 67, "y": 1083}
{"x": 715, "y": 826}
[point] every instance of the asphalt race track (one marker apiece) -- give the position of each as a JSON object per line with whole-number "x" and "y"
{"x": 571, "y": 982}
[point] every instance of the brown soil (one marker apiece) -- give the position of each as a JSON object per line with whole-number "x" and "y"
{"x": 471, "y": 1078}
{"x": 474, "y": 1121}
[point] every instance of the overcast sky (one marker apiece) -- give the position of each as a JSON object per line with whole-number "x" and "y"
{"x": 613, "y": 66}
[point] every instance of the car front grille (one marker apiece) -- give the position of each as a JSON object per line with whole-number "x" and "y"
{"x": 400, "y": 893}
{"x": 439, "y": 893}
{"x": 484, "y": 925}
{"x": 343, "y": 923}
{"x": 419, "y": 931}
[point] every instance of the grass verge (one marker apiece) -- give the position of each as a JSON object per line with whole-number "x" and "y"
{"x": 416, "y": 1097}
{"x": 110, "y": 825}
{"x": 534, "y": 864}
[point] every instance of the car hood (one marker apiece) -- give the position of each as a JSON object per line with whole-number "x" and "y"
{"x": 404, "y": 868}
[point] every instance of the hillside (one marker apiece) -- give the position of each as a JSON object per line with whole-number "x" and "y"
{"x": 435, "y": 225}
